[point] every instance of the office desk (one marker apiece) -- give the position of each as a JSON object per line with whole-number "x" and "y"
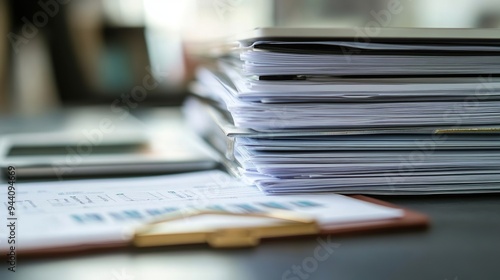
{"x": 462, "y": 243}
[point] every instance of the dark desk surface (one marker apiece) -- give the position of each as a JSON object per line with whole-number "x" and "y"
{"x": 462, "y": 243}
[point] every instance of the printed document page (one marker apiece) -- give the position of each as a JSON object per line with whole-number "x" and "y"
{"x": 93, "y": 212}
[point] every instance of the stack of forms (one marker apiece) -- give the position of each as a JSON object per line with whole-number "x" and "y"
{"x": 410, "y": 111}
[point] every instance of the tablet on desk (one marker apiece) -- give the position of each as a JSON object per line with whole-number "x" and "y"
{"x": 60, "y": 160}
{"x": 136, "y": 150}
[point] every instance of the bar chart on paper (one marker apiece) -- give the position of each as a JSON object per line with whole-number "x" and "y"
{"x": 93, "y": 212}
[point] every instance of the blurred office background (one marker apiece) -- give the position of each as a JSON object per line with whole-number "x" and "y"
{"x": 62, "y": 53}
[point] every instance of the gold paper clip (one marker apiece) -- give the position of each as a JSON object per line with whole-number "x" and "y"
{"x": 494, "y": 130}
{"x": 158, "y": 233}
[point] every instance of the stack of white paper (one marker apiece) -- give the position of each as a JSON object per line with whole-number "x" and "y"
{"x": 354, "y": 117}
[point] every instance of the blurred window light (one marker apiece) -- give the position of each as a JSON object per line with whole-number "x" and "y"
{"x": 207, "y": 19}
{"x": 454, "y": 13}
{"x": 124, "y": 12}
{"x": 167, "y": 14}
{"x": 164, "y": 21}
{"x": 169, "y": 23}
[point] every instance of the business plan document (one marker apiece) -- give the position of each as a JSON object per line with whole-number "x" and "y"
{"x": 105, "y": 212}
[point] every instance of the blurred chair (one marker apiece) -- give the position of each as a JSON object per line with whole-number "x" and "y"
{"x": 4, "y": 26}
{"x": 120, "y": 60}
{"x": 68, "y": 75}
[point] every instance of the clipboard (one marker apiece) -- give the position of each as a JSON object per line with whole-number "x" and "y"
{"x": 288, "y": 224}
{"x": 294, "y": 226}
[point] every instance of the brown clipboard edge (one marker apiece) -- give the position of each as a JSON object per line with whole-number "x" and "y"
{"x": 409, "y": 220}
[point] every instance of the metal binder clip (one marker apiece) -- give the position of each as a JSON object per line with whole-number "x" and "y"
{"x": 287, "y": 223}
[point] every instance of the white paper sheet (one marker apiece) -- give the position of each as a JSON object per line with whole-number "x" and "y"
{"x": 61, "y": 214}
